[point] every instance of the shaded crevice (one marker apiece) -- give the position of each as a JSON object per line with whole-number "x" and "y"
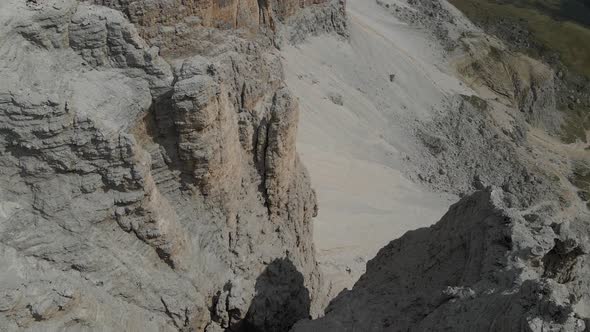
{"x": 261, "y": 150}
{"x": 281, "y": 299}
{"x": 165, "y": 256}
{"x": 560, "y": 262}
{"x": 160, "y": 127}
{"x": 169, "y": 314}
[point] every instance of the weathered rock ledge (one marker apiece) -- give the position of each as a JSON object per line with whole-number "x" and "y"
{"x": 140, "y": 193}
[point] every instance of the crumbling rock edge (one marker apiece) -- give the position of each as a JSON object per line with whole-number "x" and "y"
{"x": 482, "y": 266}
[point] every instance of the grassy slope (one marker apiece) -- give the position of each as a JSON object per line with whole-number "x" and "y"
{"x": 560, "y": 26}
{"x": 569, "y": 39}
{"x": 575, "y": 124}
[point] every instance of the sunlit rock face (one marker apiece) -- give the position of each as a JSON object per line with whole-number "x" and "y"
{"x": 140, "y": 193}
{"x": 181, "y": 27}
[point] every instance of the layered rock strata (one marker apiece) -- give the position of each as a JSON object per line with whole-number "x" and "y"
{"x": 140, "y": 193}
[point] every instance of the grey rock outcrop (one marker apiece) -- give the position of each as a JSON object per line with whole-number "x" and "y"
{"x": 482, "y": 266}
{"x": 185, "y": 27}
{"x": 469, "y": 147}
{"x": 144, "y": 194}
{"x": 149, "y": 181}
{"x": 525, "y": 82}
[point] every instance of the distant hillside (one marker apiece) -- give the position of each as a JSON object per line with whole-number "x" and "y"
{"x": 551, "y": 25}
{"x": 557, "y": 31}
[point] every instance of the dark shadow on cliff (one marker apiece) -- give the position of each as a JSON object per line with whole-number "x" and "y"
{"x": 160, "y": 128}
{"x": 281, "y": 299}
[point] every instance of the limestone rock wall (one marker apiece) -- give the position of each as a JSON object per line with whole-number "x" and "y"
{"x": 179, "y": 27}
{"x": 211, "y": 13}
{"x": 144, "y": 194}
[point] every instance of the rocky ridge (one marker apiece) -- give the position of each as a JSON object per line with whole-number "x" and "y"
{"x": 147, "y": 193}
{"x": 495, "y": 268}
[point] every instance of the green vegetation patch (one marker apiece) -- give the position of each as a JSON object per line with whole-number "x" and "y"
{"x": 569, "y": 39}
{"x": 575, "y": 124}
{"x": 476, "y": 102}
{"x": 581, "y": 175}
{"x": 558, "y": 26}
{"x": 581, "y": 179}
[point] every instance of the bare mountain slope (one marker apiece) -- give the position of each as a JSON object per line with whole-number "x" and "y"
{"x": 420, "y": 101}
{"x": 357, "y": 131}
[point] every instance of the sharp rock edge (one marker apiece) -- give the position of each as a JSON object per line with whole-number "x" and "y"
{"x": 483, "y": 266}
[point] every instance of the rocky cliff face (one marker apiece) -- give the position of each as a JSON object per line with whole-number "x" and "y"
{"x": 149, "y": 181}
{"x": 185, "y": 27}
{"x": 482, "y": 266}
{"x": 139, "y": 193}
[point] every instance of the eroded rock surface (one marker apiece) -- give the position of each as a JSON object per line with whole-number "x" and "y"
{"x": 183, "y": 27}
{"x": 482, "y": 266}
{"x": 140, "y": 193}
{"x": 149, "y": 180}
